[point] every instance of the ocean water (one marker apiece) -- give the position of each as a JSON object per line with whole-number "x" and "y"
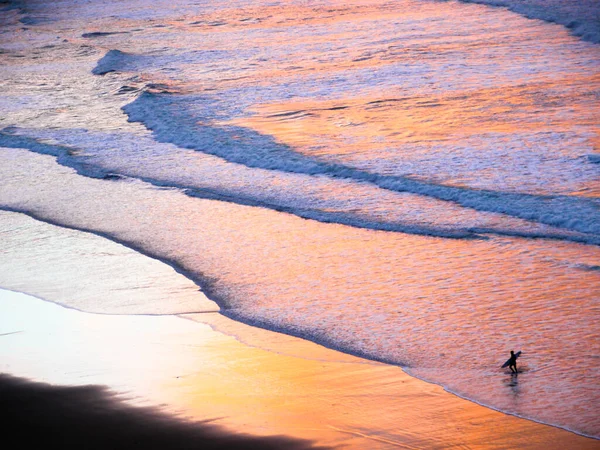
{"x": 414, "y": 182}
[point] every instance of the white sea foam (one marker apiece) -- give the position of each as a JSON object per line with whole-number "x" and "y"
{"x": 255, "y": 150}
{"x": 361, "y": 205}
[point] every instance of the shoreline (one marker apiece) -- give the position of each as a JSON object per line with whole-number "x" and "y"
{"x": 304, "y": 391}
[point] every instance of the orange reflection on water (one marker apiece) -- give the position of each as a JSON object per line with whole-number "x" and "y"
{"x": 348, "y": 124}
{"x": 416, "y": 299}
{"x": 411, "y": 129}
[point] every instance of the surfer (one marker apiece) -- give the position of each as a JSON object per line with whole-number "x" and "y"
{"x": 512, "y": 362}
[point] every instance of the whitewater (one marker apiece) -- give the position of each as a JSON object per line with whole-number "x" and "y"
{"x": 412, "y": 182}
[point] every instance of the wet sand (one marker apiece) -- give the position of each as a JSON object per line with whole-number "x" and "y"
{"x": 268, "y": 385}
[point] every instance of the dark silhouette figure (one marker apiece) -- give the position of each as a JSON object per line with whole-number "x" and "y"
{"x": 512, "y": 362}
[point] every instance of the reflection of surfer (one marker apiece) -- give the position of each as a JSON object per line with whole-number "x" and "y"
{"x": 512, "y": 362}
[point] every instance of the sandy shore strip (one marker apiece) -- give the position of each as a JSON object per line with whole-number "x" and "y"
{"x": 301, "y": 391}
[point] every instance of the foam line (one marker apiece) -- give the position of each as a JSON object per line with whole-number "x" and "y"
{"x": 169, "y": 119}
{"x": 67, "y": 156}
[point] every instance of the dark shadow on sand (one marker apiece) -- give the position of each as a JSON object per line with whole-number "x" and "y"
{"x": 37, "y": 415}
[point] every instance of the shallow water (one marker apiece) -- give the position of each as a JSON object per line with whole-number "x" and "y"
{"x": 450, "y": 175}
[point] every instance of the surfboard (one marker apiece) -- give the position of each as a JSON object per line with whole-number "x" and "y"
{"x": 508, "y": 360}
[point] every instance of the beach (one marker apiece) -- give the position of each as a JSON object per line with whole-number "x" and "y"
{"x": 180, "y": 374}
{"x": 296, "y": 224}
